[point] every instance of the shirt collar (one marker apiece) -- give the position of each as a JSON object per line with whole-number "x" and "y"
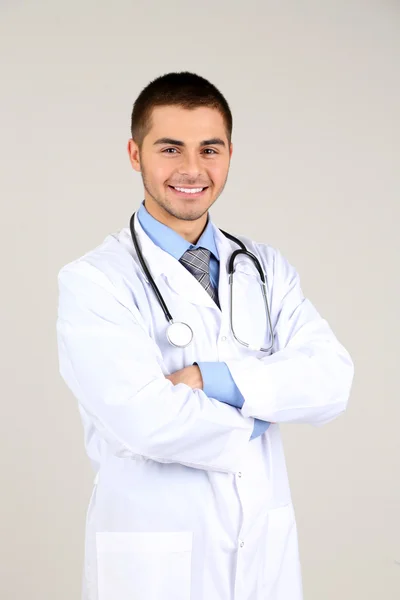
{"x": 169, "y": 240}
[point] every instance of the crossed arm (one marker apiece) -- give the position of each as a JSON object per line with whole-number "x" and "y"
{"x": 193, "y": 377}
{"x": 114, "y": 369}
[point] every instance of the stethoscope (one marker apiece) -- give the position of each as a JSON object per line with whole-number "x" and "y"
{"x": 180, "y": 334}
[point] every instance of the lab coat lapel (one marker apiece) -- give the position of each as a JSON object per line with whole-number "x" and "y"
{"x": 166, "y": 269}
{"x": 225, "y": 248}
{"x": 186, "y": 285}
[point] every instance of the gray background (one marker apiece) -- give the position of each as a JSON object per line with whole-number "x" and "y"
{"x": 315, "y": 89}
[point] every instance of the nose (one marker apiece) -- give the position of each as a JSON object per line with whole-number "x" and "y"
{"x": 190, "y": 165}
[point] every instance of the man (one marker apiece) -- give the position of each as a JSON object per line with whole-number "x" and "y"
{"x": 191, "y": 498}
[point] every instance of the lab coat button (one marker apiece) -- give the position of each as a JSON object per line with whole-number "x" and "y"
{"x": 241, "y": 544}
{"x": 239, "y": 474}
{"x": 223, "y": 339}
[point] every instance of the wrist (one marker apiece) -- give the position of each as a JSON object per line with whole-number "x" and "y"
{"x": 198, "y": 378}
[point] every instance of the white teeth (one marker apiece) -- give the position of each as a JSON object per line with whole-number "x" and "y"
{"x": 189, "y": 191}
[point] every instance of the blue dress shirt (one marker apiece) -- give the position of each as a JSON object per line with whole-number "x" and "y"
{"x": 217, "y": 379}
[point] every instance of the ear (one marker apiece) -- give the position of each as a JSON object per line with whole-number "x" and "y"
{"x": 134, "y": 156}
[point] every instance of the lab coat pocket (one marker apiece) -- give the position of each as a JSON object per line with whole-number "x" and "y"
{"x": 280, "y": 564}
{"x": 144, "y": 566}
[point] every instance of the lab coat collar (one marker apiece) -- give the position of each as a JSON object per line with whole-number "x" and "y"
{"x": 164, "y": 266}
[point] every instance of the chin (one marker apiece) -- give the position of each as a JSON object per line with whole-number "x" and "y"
{"x": 187, "y": 209}
{"x": 190, "y": 213}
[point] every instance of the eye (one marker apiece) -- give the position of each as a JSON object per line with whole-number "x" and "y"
{"x": 210, "y": 150}
{"x": 166, "y": 150}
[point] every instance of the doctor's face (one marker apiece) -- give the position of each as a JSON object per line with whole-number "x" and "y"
{"x": 183, "y": 149}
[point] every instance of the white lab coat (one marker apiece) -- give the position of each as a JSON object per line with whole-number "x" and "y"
{"x": 184, "y": 506}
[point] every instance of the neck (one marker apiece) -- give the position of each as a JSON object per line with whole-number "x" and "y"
{"x": 189, "y": 230}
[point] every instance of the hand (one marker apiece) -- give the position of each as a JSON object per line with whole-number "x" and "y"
{"x": 191, "y": 376}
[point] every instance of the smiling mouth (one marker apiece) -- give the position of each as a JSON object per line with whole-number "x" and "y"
{"x": 188, "y": 192}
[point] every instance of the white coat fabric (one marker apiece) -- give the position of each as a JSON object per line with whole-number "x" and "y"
{"x": 184, "y": 505}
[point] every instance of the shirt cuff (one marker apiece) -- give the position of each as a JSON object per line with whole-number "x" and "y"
{"x": 218, "y": 383}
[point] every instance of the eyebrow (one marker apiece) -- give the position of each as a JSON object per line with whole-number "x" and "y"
{"x": 211, "y": 142}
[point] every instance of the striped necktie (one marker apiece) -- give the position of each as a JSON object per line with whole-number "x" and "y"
{"x": 197, "y": 262}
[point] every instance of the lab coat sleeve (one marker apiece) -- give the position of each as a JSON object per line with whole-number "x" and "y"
{"x": 218, "y": 383}
{"x": 110, "y": 363}
{"x": 308, "y": 377}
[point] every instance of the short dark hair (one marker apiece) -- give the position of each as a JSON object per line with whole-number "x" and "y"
{"x": 184, "y": 89}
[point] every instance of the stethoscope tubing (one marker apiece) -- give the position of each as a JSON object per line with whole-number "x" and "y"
{"x": 231, "y": 270}
{"x": 157, "y": 292}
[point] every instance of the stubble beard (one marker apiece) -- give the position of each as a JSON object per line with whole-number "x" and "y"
{"x": 167, "y": 206}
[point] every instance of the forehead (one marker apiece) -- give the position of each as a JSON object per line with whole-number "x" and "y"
{"x": 180, "y": 123}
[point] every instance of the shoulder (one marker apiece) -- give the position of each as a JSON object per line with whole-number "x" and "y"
{"x": 108, "y": 265}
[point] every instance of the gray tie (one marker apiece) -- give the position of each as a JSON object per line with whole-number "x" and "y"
{"x": 197, "y": 262}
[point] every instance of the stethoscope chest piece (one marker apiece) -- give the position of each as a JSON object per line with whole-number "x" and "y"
{"x": 179, "y": 334}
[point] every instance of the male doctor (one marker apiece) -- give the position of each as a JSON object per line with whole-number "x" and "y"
{"x": 191, "y": 499}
